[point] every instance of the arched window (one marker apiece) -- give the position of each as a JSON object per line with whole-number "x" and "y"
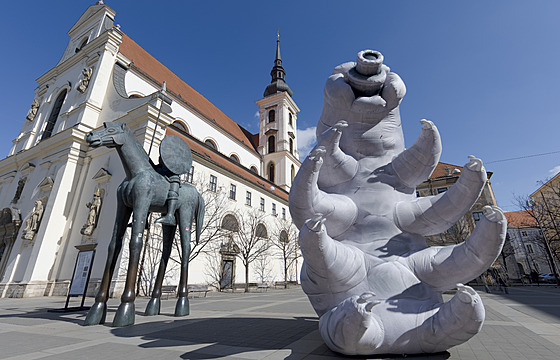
{"x": 54, "y": 115}
{"x": 290, "y": 120}
{"x": 84, "y": 43}
{"x": 271, "y": 116}
{"x": 271, "y": 171}
{"x": 271, "y": 144}
{"x": 284, "y": 237}
{"x": 254, "y": 170}
{"x": 291, "y": 146}
{"x": 210, "y": 143}
{"x": 230, "y": 223}
{"x": 234, "y": 158}
{"x": 261, "y": 231}
{"x": 293, "y": 173}
{"x": 179, "y": 125}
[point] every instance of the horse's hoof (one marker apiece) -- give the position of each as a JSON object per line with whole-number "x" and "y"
{"x": 96, "y": 314}
{"x": 182, "y": 307}
{"x": 153, "y": 307}
{"x": 124, "y": 315}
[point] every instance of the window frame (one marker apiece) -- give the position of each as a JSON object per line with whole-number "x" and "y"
{"x": 213, "y": 186}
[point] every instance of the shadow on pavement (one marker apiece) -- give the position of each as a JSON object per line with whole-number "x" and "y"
{"x": 543, "y": 298}
{"x": 44, "y": 313}
{"x": 221, "y": 337}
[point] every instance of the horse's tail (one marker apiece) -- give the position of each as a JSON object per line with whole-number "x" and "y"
{"x": 199, "y": 213}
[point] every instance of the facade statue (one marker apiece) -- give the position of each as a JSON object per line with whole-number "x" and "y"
{"x": 84, "y": 81}
{"x": 367, "y": 270}
{"x": 146, "y": 190}
{"x": 94, "y": 209}
{"x": 33, "y": 110}
{"x": 33, "y": 221}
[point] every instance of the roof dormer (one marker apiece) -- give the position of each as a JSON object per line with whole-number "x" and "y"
{"x": 97, "y": 19}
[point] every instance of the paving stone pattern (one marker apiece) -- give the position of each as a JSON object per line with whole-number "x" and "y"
{"x": 276, "y": 324}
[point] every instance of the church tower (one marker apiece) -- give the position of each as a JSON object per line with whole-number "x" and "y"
{"x": 277, "y": 128}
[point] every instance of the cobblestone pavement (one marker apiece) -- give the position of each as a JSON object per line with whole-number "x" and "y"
{"x": 275, "y": 324}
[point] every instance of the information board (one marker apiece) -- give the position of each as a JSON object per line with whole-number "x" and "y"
{"x": 81, "y": 272}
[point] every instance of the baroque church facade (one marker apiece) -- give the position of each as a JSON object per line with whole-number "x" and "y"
{"x": 57, "y": 195}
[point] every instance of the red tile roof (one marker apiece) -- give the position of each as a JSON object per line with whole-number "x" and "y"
{"x": 441, "y": 170}
{"x": 520, "y": 219}
{"x": 221, "y": 161}
{"x": 152, "y": 68}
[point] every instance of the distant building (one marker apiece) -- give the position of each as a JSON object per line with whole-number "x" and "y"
{"x": 527, "y": 249}
{"x": 443, "y": 177}
{"x": 545, "y": 202}
{"x": 50, "y": 177}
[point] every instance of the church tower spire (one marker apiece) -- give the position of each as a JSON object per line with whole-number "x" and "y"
{"x": 278, "y": 73}
{"x": 277, "y": 128}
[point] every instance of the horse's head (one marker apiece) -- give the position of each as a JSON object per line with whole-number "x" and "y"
{"x": 112, "y": 135}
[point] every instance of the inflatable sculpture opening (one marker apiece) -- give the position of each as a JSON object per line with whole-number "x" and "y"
{"x": 367, "y": 270}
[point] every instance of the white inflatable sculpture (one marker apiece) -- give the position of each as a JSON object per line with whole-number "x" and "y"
{"x": 367, "y": 269}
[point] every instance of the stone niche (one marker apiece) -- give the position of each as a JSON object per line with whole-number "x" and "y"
{"x": 10, "y": 222}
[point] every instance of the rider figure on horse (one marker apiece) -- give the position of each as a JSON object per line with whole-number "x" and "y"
{"x": 175, "y": 159}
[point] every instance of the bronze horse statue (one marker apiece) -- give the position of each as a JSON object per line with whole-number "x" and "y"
{"x": 144, "y": 190}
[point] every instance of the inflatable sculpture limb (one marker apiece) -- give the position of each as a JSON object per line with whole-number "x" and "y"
{"x": 367, "y": 270}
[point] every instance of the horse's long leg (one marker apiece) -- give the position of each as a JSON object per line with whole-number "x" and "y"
{"x": 125, "y": 312}
{"x": 185, "y": 223}
{"x": 153, "y": 306}
{"x": 98, "y": 311}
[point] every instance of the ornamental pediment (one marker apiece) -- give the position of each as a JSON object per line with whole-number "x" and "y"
{"x": 27, "y": 168}
{"x": 46, "y": 184}
{"x": 101, "y": 175}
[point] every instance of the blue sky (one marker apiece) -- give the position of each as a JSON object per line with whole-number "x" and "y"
{"x": 486, "y": 72}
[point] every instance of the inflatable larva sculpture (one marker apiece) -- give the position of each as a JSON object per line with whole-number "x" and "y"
{"x": 367, "y": 270}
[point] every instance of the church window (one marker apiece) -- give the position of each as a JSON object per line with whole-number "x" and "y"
{"x": 179, "y": 125}
{"x": 271, "y": 171}
{"x": 274, "y": 210}
{"x": 283, "y": 213}
{"x": 84, "y": 43}
{"x": 271, "y": 144}
{"x": 213, "y": 183}
{"x": 529, "y": 248}
{"x": 290, "y": 120}
{"x": 291, "y": 146}
{"x": 232, "y": 191}
{"x": 230, "y": 223}
{"x": 234, "y": 158}
{"x": 254, "y": 170}
{"x": 248, "y": 198}
{"x": 262, "y": 204}
{"x": 261, "y": 231}
{"x": 271, "y": 116}
{"x": 284, "y": 237}
{"x": 188, "y": 177}
{"x": 293, "y": 173}
{"x": 54, "y": 115}
{"x": 477, "y": 215}
{"x": 211, "y": 144}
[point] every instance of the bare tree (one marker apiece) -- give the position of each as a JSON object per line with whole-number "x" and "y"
{"x": 252, "y": 239}
{"x": 215, "y": 208}
{"x": 285, "y": 240}
{"x": 544, "y": 208}
{"x": 213, "y": 266}
{"x": 263, "y": 268}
